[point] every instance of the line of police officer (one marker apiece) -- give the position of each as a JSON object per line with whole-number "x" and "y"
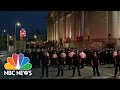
{"x": 74, "y": 58}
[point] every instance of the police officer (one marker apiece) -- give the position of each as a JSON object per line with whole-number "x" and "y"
{"x": 114, "y": 56}
{"x": 76, "y": 63}
{"x": 34, "y": 58}
{"x": 117, "y": 63}
{"x": 70, "y": 58}
{"x": 54, "y": 58}
{"x": 45, "y": 62}
{"x": 40, "y": 57}
{"x": 95, "y": 63}
{"x": 82, "y": 57}
{"x": 61, "y": 62}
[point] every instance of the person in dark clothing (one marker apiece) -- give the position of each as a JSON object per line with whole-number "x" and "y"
{"x": 70, "y": 58}
{"x": 45, "y": 63}
{"x": 54, "y": 58}
{"x": 95, "y": 63}
{"x": 61, "y": 62}
{"x": 117, "y": 63}
{"x": 104, "y": 56}
{"x": 101, "y": 57}
{"x": 114, "y": 56}
{"x": 39, "y": 58}
{"x": 88, "y": 57}
{"x": 106, "y": 59}
{"x": 82, "y": 57}
{"x": 31, "y": 58}
{"x": 76, "y": 63}
{"x": 34, "y": 58}
{"x": 111, "y": 57}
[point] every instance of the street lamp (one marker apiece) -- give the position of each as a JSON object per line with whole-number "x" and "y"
{"x": 10, "y": 37}
{"x": 5, "y": 38}
{"x": 4, "y": 31}
{"x": 3, "y": 34}
{"x": 16, "y": 24}
{"x": 35, "y": 36}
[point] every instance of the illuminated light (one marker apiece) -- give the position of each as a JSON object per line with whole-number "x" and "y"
{"x": 70, "y": 34}
{"x": 18, "y": 24}
{"x": 35, "y": 36}
{"x": 10, "y": 37}
{"x": 4, "y": 30}
{"x": 22, "y": 33}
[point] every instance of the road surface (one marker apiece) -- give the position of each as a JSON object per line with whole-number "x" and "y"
{"x": 106, "y": 72}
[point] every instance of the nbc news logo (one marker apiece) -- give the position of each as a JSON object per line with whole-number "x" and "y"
{"x": 18, "y": 65}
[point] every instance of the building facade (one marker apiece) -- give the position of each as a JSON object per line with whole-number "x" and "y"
{"x": 84, "y": 28}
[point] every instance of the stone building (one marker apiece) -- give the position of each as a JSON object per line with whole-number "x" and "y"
{"x": 84, "y": 28}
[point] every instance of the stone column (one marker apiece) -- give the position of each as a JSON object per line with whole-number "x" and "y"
{"x": 72, "y": 26}
{"x": 56, "y": 29}
{"x": 61, "y": 31}
{"x": 86, "y": 25}
{"x": 54, "y": 32}
{"x": 78, "y": 22}
{"x": 67, "y": 33}
{"x": 48, "y": 31}
{"x": 115, "y": 24}
{"x": 68, "y": 26}
{"x": 82, "y": 24}
{"x": 52, "y": 28}
{"x": 74, "y": 23}
{"x": 64, "y": 25}
{"x": 119, "y": 24}
{"x": 109, "y": 22}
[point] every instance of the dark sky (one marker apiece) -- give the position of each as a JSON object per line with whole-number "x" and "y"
{"x": 30, "y": 20}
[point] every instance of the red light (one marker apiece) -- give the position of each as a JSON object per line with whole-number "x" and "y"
{"x": 22, "y": 33}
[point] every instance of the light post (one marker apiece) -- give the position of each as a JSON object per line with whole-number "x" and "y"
{"x": 16, "y": 24}
{"x": 4, "y": 31}
{"x": 10, "y": 37}
{"x": 4, "y": 36}
{"x": 35, "y": 37}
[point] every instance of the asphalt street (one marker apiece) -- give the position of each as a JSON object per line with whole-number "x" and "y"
{"x": 106, "y": 72}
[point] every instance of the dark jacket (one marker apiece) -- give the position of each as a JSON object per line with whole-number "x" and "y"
{"x": 44, "y": 60}
{"x": 117, "y": 58}
{"x": 95, "y": 61}
{"x": 76, "y": 59}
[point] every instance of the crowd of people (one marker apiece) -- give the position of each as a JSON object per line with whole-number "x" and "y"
{"x": 73, "y": 57}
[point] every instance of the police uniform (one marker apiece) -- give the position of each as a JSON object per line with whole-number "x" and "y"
{"x": 61, "y": 61}
{"x": 54, "y": 59}
{"x": 76, "y": 63}
{"x": 45, "y": 63}
{"x": 117, "y": 63}
{"x": 95, "y": 64}
{"x": 82, "y": 57}
{"x": 70, "y": 58}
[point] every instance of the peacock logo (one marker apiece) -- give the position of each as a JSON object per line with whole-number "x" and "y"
{"x": 18, "y": 62}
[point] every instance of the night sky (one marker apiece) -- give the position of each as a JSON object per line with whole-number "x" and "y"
{"x": 30, "y": 20}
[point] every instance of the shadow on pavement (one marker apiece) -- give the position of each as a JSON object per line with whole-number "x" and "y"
{"x": 109, "y": 67}
{"x": 87, "y": 77}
